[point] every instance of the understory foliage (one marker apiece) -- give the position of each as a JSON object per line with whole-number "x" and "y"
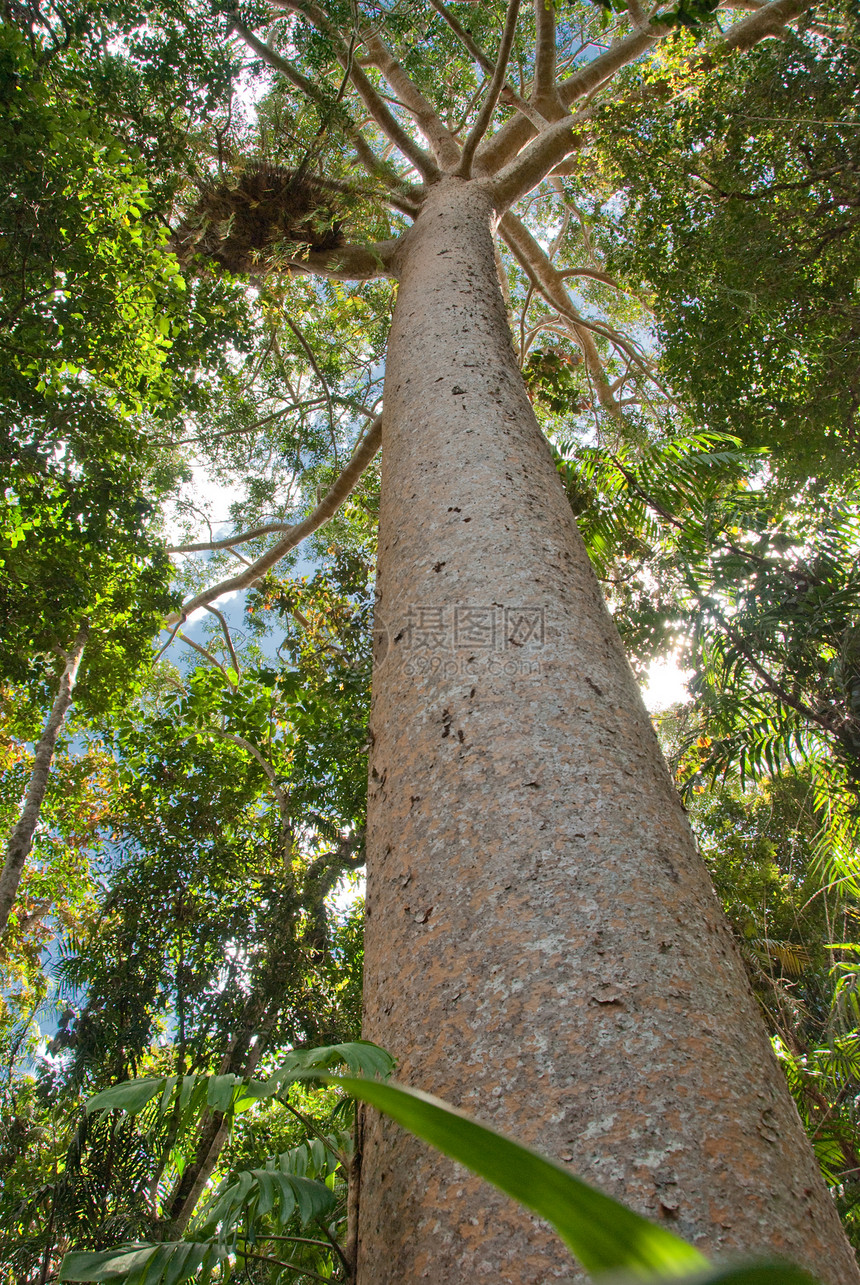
{"x": 186, "y": 370}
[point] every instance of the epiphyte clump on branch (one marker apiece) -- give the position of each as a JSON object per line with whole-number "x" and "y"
{"x": 252, "y": 221}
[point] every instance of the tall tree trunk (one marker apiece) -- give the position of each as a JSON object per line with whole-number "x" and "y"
{"x": 21, "y": 839}
{"x": 543, "y": 945}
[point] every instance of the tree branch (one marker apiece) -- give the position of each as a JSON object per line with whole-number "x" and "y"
{"x": 548, "y": 280}
{"x": 536, "y": 161}
{"x": 590, "y": 77}
{"x": 213, "y": 660}
{"x": 507, "y": 142}
{"x": 544, "y": 91}
{"x": 349, "y": 262}
{"x": 445, "y": 147}
{"x": 269, "y": 528}
{"x": 555, "y": 143}
{"x": 21, "y": 838}
{"x": 509, "y": 95}
{"x": 328, "y": 506}
{"x": 280, "y": 794}
{"x": 769, "y": 20}
{"x": 226, "y": 632}
{"x": 386, "y": 121}
{"x": 368, "y": 158}
{"x": 485, "y": 115}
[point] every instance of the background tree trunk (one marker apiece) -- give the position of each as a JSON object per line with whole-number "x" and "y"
{"x": 21, "y": 839}
{"x": 543, "y": 945}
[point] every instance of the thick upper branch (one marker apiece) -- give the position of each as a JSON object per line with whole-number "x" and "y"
{"x": 485, "y": 115}
{"x": 445, "y": 147}
{"x": 509, "y": 95}
{"x": 544, "y": 91}
{"x": 349, "y": 262}
{"x": 548, "y": 281}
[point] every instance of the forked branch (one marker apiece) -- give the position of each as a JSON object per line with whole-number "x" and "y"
{"x": 485, "y": 115}
{"x": 544, "y": 91}
{"x": 328, "y": 506}
{"x": 445, "y": 147}
{"x": 366, "y": 90}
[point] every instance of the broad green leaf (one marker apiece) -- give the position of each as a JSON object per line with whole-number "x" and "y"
{"x": 107, "y": 1265}
{"x": 258, "y": 1192}
{"x": 165, "y": 1264}
{"x": 220, "y": 1090}
{"x": 131, "y": 1096}
{"x": 602, "y": 1233}
{"x": 362, "y": 1058}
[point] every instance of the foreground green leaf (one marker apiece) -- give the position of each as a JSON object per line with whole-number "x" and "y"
{"x": 165, "y": 1264}
{"x": 602, "y": 1233}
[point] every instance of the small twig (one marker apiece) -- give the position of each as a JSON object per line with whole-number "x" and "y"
{"x": 189, "y": 642}
{"x": 173, "y": 634}
{"x": 279, "y": 1262}
{"x": 226, "y": 632}
{"x": 312, "y": 359}
{"x": 311, "y": 1127}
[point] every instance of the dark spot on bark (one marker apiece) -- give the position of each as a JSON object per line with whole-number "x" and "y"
{"x": 413, "y": 799}
{"x": 453, "y": 510}
{"x": 472, "y": 692}
{"x": 397, "y": 637}
{"x": 437, "y": 566}
{"x": 460, "y": 737}
{"x": 673, "y": 873}
{"x": 467, "y": 519}
{"x": 531, "y": 785}
{"x": 594, "y": 687}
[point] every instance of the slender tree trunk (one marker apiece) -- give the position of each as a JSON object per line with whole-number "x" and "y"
{"x": 543, "y": 945}
{"x": 21, "y": 840}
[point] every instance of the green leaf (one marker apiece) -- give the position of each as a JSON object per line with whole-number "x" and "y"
{"x": 362, "y": 1058}
{"x": 131, "y": 1096}
{"x": 220, "y": 1090}
{"x": 603, "y": 1234}
{"x": 164, "y": 1264}
{"x": 107, "y": 1265}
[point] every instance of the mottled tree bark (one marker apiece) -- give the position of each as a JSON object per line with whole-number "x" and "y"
{"x": 21, "y": 839}
{"x": 543, "y": 945}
